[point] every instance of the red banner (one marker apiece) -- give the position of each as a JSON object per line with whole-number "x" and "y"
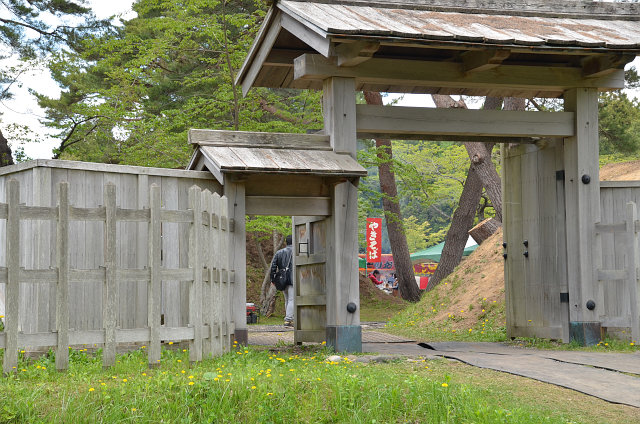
{"x": 374, "y": 239}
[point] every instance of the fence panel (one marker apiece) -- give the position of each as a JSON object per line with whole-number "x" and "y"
{"x": 209, "y": 327}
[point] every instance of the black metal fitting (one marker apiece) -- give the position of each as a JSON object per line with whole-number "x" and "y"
{"x": 351, "y": 307}
{"x": 591, "y": 305}
{"x": 586, "y": 179}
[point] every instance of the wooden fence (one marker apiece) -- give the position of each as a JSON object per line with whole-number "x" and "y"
{"x": 622, "y": 283}
{"x": 210, "y": 325}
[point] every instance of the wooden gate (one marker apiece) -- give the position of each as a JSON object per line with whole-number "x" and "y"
{"x": 309, "y": 241}
{"x": 535, "y": 269}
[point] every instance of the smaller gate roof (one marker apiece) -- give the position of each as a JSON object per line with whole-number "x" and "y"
{"x": 236, "y": 152}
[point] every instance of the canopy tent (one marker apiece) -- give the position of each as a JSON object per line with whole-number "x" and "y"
{"x": 433, "y": 253}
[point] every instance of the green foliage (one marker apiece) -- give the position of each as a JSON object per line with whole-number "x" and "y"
{"x": 249, "y": 385}
{"x": 131, "y": 96}
{"x": 619, "y": 119}
{"x": 264, "y": 226}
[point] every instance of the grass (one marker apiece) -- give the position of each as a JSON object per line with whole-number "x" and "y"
{"x": 293, "y": 385}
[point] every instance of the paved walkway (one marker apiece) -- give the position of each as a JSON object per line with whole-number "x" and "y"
{"x": 614, "y": 377}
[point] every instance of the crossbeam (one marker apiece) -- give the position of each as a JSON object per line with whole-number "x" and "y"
{"x": 418, "y": 73}
{"x": 401, "y": 122}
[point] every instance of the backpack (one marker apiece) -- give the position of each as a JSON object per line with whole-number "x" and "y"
{"x": 283, "y": 276}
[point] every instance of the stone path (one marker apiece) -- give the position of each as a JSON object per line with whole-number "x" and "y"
{"x": 614, "y": 377}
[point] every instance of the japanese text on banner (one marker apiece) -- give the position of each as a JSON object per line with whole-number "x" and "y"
{"x": 374, "y": 237}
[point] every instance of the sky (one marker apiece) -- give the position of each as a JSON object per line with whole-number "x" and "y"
{"x": 24, "y": 109}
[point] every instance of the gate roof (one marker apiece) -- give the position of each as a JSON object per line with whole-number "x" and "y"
{"x": 246, "y": 153}
{"x": 594, "y": 38}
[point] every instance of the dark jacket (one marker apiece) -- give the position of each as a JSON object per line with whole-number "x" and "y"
{"x": 281, "y": 260}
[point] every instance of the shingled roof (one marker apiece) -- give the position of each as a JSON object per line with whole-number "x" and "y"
{"x": 595, "y": 37}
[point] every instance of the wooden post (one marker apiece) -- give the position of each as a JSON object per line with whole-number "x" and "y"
{"x": 195, "y": 259}
{"x": 343, "y": 327}
{"x": 215, "y": 276}
{"x": 582, "y": 188}
{"x": 234, "y": 198}
{"x": 632, "y": 269}
{"x": 207, "y": 260}
{"x": 10, "y": 360}
{"x": 154, "y": 292}
{"x": 111, "y": 284}
{"x": 62, "y": 292}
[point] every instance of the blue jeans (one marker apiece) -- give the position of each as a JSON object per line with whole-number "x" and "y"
{"x": 289, "y": 293}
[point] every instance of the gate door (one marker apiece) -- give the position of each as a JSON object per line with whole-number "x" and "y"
{"x": 309, "y": 275}
{"x": 536, "y": 287}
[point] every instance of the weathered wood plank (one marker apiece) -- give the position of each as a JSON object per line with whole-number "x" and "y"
{"x": 12, "y": 291}
{"x": 399, "y": 121}
{"x": 633, "y": 256}
{"x": 38, "y": 212}
{"x": 287, "y": 205}
{"x": 111, "y": 284}
{"x": 155, "y": 290}
{"x": 132, "y": 215}
{"x": 222, "y": 138}
{"x": 195, "y": 292}
{"x": 87, "y": 214}
{"x": 62, "y": 293}
{"x": 176, "y": 216}
{"x": 582, "y": 203}
{"x": 449, "y": 74}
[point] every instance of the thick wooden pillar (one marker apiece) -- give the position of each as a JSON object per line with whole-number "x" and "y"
{"x": 582, "y": 188}
{"x": 235, "y": 192}
{"x": 344, "y": 333}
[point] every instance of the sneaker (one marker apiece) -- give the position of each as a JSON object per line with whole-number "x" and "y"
{"x": 288, "y": 323}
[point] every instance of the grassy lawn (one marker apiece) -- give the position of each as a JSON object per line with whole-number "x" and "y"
{"x": 293, "y": 385}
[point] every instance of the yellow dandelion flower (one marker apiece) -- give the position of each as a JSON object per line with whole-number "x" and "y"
{"x": 632, "y": 344}
{"x": 44, "y": 368}
{"x": 183, "y": 371}
{"x": 91, "y": 389}
{"x": 291, "y": 369}
{"x": 179, "y": 360}
{"x": 22, "y": 351}
{"x": 227, "y": 380}
{"x": 124, "y": 380}
{"x": 445, "y": 385}
{"x": 191, "y": 383}
{"x": 170, "y": 343}
{"x": 215, "y": 379}
{"x": 133, "y": 409}
{"x": 184, "y": 350}
{"x": 319, "y": 379}
{"x": 143, "y": 347}
{"x": 103, "y": 384}
{"x": 253, "y": 387}
{"x": 190, "y": 377}
{"x": 269, "y": 394}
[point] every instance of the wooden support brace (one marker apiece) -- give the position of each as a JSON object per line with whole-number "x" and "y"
{"x": 351, "y": 54}
{"x": 597, "y": 66}
{"x": 10, "y": 360}
{"x": 110, "y": 293}
{"x": 195, "y": 291}
{"x": 155, "y": 289}
{"x": 62, "y": 292}
{"x": 482, "y": 60}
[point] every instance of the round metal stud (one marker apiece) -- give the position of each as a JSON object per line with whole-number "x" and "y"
{"x": 586, "y": 179}
{"x": 591, "y": 305}
{"x": 351, "y": 307}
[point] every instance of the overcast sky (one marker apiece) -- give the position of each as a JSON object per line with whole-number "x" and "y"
{"x": 23, "y": 109}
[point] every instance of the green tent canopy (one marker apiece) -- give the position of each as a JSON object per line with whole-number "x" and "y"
{"x": 433, "y": 253}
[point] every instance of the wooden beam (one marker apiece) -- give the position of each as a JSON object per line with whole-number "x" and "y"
{"x": 415, "y": 73}
{"x": 597, "y": 66}
{"x": 400, "y": 122}
{"x": 248, "y": 77}
{"x": 316, "y": 39}
{"x": 351, "y": 54}
{"x": 259, "y": 139}
{"x": 482, "y": 60}
{"x": 288, "y": 206}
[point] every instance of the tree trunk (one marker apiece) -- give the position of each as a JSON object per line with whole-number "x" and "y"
{"x": 457, "y": 235}
{"x": 484, "y": 230}
{"x": 268, "y": 292}
{"x": 401, "y": 258}
{"x": 480, "y": 153}
{"x": 5, "y": 151}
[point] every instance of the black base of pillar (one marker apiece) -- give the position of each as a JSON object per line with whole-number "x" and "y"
{"x": 585, "y": 333}
{"x": 242, "y": 336}
{"x": 345, "y": 338}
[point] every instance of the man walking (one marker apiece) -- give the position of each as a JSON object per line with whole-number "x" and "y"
{"x": 281, "y": 278}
